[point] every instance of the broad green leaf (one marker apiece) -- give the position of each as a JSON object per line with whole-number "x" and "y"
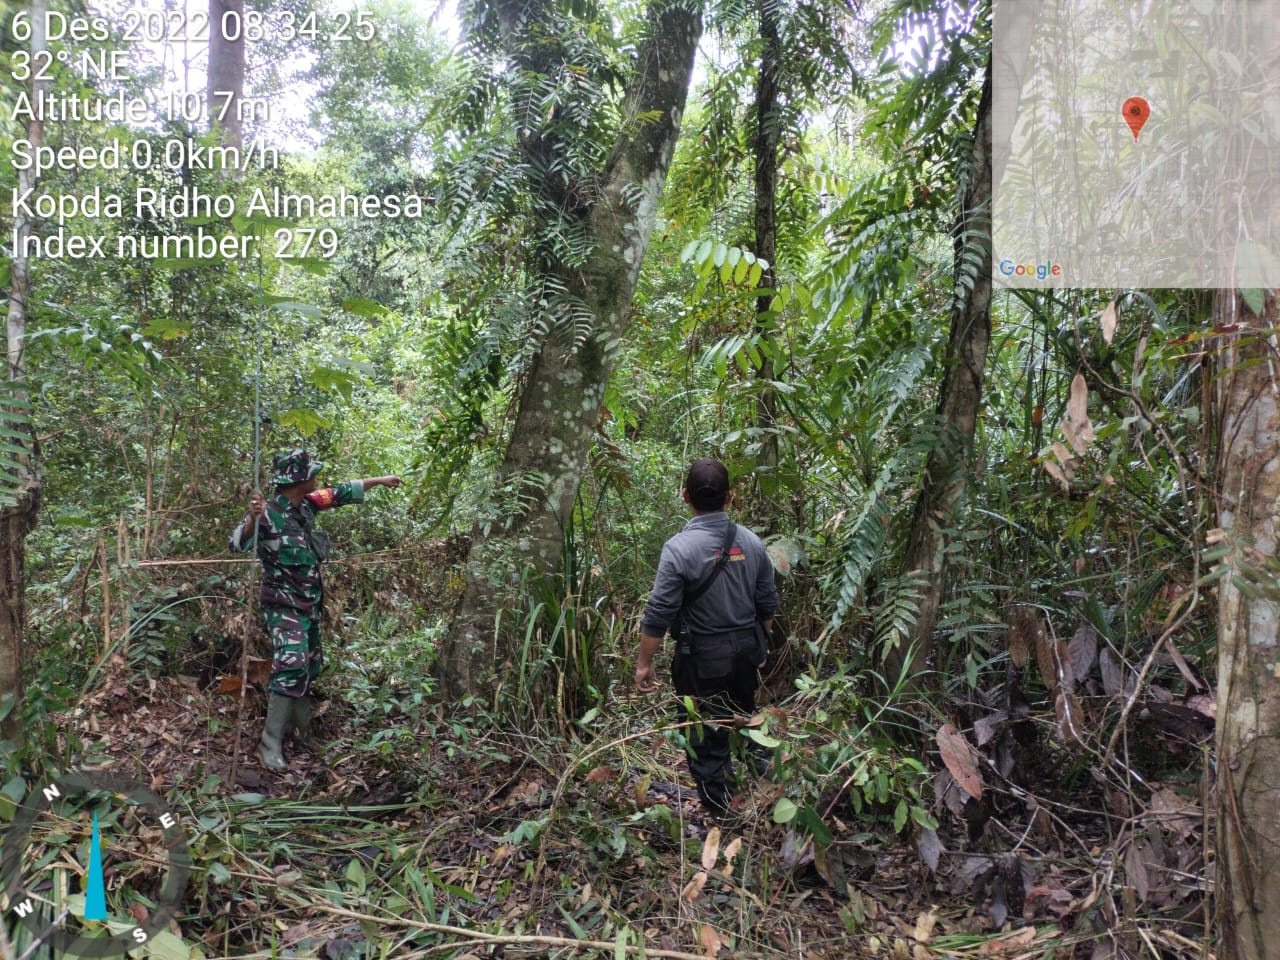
{"x": 811, "y": 822}
{"x": 331, "y": 378}
{"x": 168, "y": 946}
{"x": 762, "y": 738}
{"x": 785, "y": 810}
{"x": 355, "y": 875}
{"x": 166, "y": 329}
{"x": 364, "y": 308}
{"x": 306, "y": 421}
{"x": 15, "y": 788}
{"x": 785, "y": 553}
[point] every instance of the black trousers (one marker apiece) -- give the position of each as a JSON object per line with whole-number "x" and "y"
{"x": 718, "y": 696}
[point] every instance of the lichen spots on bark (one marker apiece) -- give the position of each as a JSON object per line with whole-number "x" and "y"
{"x": 1248, "y": 731}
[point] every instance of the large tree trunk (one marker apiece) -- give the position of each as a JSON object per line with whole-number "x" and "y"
{"x": 21, "y": 479}
{"x": 768, "y": 132}
{"x": 226, "y": 69}
{"x": 562, "y": 394}
{"x": 948, "y": 466}
{"x": 1248, "y": 734}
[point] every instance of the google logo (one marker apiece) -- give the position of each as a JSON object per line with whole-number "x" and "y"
{"x": 1041, "y": 271}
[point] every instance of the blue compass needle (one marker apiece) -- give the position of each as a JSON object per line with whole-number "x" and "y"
{"x": 95, "y": 902}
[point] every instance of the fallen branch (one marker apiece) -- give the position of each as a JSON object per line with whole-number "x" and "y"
{"x": 514, "y": 939}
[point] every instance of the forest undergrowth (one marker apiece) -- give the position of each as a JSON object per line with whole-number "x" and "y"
{"x": 1019, "y": 819}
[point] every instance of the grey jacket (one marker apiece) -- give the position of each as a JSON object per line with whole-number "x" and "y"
{"x": 743, "y": 593}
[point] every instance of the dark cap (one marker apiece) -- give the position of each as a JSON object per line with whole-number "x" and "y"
{"x": 708, "y": 484}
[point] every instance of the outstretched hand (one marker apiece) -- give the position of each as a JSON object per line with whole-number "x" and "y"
{"x": 646, "y": 682}
{"x": 391, "y": 481}
{"x": 257, "y": 506}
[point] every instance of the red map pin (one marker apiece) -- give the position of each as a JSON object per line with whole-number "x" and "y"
{"x": 1136, "y": 110}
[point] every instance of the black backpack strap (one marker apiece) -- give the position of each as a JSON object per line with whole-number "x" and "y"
{"x": 692, "y": 596}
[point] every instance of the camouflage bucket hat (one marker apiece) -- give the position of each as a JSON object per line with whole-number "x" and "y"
{"x": 294, "y": 466}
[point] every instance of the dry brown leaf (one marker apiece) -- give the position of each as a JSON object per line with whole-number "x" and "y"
{"x": 984, "y": 728}
{"x": 641, "y": 792}
{"x": 924, "y": 926}
{"x": 929, "y": 847}
{"x": 947, "y": 793}
{"x": 1047, "y": 900}
{"x": 1112, "y": 677}
{"x": 1045, "y": 661}
{"x": 921, "y": 952}
{"x": 730, "y": 854}
{"x": 1136, "y": 868}
{"x": 1062, "y": 660}
{"x": 1008, "y": 944}
{"x": 830, "y": 863}
{"x": 1059, "y": 450}
{"x": 601, "y": 774}
{"x": 710, "y": 939}
{"x": 1024, "y": 624}
{"x": 258, "y": 670}
{"x": 1203, "y": 705}
{"x": 1109, "y": 319}
{"x": 1058, "y": 474}
{"x": 1082, "y": 652}
{"x": 228, "y": 685}
{"x": 1075, "y": 425}
{"x": 1179, "y": 816}
{"x": 1067, "y": 709}
{"x": 795, "y": 851}
{"x": 958, "y": 757}
{"x": 694, "y": 887}
{"x": 711, "y": 848}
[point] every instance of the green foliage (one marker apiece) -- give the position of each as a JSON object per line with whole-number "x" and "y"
{"x": 15, "y": 439}
{"x": 840, "y": 755}
{"x": 561, "y": 670}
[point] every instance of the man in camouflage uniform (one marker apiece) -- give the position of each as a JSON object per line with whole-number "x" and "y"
{"x": 291, "y": 550}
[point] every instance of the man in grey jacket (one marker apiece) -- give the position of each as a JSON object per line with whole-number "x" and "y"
{"x": 726, "y": 603}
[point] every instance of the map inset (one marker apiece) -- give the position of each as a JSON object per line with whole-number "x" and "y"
{"x": 1136, "y": 143}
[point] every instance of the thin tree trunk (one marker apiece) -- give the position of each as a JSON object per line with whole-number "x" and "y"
{"x": 563, "y": 392}
{"x": 18, "y": 518}
{"x": 1248, "y": 729}
{"x": 226, "y": 69}
{"x": 768, "y": 133}
{"x": 948, "y": 466}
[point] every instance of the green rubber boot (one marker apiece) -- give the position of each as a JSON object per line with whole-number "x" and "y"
{"x": 279, "y": 714}
{"x": 302, "y": 722}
